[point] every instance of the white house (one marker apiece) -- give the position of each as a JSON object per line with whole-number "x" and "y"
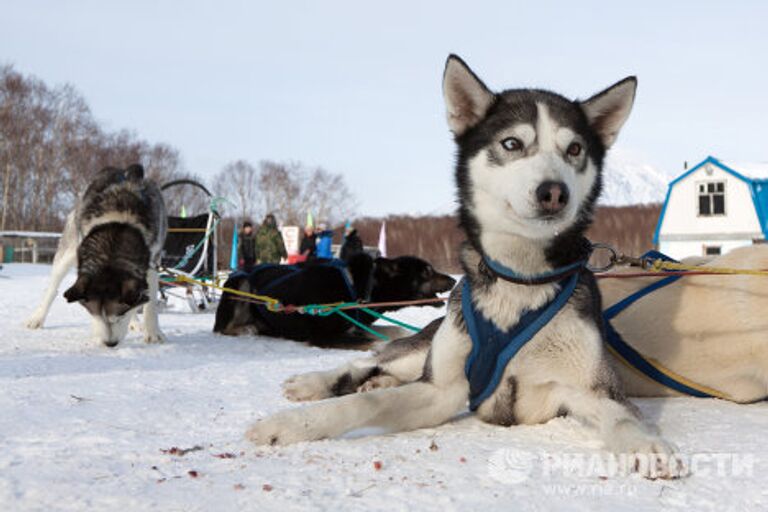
{"x": 712, "y": 208}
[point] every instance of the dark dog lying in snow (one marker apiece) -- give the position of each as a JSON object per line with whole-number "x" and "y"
{"x": 363, "y": 278}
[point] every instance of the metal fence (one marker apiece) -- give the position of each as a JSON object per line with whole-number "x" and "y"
{"x": 28, "y": 246}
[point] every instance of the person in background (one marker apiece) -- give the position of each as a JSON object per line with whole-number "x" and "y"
{"x": 307, "y": 247}
{"x": 352, "y": 246}
{"x": 324, "y": 242}
{"x": 270, "y": 247}
{"x": 246, "y": 248}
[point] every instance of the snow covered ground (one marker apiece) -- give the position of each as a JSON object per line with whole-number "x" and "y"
{"x": 83, "y": 427}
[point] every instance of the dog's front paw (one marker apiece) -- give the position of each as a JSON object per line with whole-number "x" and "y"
{"x": 307, "y": 386}
{"x": 154, "y": 337}
{"x": 379, "y": 382}
{"x": 649, "y": 455}
{"x": 658, "y": 459}
{"x": 35, "y": 321}
{"x": 283, "y": 428}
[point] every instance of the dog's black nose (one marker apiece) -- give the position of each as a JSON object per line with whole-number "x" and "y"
{"x": 552, "y": 196}
{"x": 110, "y": 343}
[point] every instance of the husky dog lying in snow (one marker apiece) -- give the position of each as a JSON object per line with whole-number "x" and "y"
{"x": 528, "y": 175}
{"x": 709, "y": 329}
{"x": 363, "y": 277}
{"x": 115, "y": 236}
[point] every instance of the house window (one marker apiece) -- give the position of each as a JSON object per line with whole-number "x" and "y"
{"x": 712, "y": 198}
{"x": 712, "y": 250}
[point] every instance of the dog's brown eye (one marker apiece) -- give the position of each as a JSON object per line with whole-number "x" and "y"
{"x": 512, "y": 144}
{"x": 574, "y": 149}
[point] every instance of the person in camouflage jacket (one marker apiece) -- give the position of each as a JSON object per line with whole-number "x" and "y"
{"x": 269, "y": 242}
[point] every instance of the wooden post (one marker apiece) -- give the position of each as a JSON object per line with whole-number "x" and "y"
{"x": 33, "y": 244}
{"x": 6, "y": 185}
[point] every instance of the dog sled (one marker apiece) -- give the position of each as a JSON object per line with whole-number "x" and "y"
{"x": 190, "y": 251}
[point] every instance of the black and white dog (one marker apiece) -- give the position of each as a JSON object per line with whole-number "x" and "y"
{"x": 364, "y": 278}
{"x": 115, "y": 235}
{"x": 528, "y": 175}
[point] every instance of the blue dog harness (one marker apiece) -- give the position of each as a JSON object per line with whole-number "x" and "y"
{"x": 492, "y": 347}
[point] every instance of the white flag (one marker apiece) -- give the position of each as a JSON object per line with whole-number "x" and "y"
{"x": 383, "y": 240}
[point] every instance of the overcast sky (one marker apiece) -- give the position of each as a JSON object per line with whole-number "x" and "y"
{"x": 355, "y": 86}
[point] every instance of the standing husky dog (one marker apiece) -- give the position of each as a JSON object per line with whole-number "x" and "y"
{"x": 528, "y": 173}
{"x": 115, "y": 235}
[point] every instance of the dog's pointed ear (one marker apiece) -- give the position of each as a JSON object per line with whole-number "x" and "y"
{"x": 135, "y": 172}
{"x": 467, "y": 99}
{"x": 76, "y": 292}
{"x": 386, "y": 267}
{"x": 608, "y": 109}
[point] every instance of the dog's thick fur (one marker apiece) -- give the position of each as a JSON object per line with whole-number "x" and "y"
{"x": 378, "y": 280}
{"x": 115, "y": 236}
{"x": 528, "y": 172}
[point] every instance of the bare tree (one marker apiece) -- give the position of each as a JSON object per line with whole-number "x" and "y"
{"x": 287, "y": 190}
{"x": 280, "y": 187}
{"x": 51, "y": 146}
{"x": 239, "y": 182}
{"x": 327, "y": 196}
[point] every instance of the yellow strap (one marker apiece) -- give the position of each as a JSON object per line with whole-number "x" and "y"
{"x": 273, "y": 302}
{"x": 187, "y": 230}
{"x": 659, "y": 266}
{"x": 269, "y": 300}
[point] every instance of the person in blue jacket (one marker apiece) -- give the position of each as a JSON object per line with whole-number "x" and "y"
{"x": 324, "y": 241}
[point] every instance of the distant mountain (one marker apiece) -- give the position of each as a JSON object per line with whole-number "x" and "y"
{"x": 629, "y": 180}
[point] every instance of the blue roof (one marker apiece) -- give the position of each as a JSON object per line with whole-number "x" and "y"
{"x": 757, "y": 187}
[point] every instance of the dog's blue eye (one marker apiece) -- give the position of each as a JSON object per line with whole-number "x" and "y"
{"x": 512, "y": 144}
